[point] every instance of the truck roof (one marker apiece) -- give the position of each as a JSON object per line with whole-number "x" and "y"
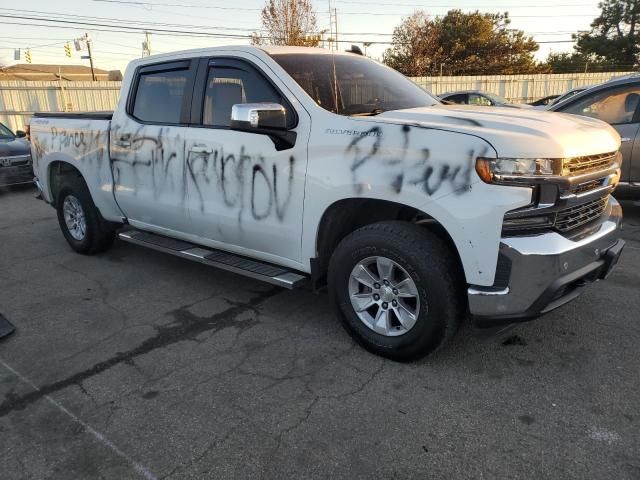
{"x": 241, "y": 48}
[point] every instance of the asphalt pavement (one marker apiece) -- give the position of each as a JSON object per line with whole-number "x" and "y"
{"x": 135, "y": 364}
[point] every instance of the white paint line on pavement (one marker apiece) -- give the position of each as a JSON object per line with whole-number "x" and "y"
{"x": 141, "y": 469}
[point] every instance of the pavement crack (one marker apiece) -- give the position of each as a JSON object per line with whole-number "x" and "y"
{"x": 186, "y": 326}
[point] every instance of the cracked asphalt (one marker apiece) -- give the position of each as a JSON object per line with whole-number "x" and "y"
{"x": 135, "y": 364}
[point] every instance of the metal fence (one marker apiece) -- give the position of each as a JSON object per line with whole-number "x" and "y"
{"x": 20, "y": 99}
{"x": 516, "y": 88}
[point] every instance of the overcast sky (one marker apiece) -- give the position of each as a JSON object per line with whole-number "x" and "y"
{"x": 358, "y": 20}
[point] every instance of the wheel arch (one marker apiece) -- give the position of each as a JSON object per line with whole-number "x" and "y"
{"x": 57, "y": 171}
{"x": 347, "y": 215}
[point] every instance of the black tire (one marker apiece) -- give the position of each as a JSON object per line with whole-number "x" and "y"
{"x": 99, "y": 235}
{"x": 433, "y": 267}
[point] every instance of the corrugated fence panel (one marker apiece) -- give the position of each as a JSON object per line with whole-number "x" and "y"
{"x": 516, "y": 88}
{"x": 20, "y": 99}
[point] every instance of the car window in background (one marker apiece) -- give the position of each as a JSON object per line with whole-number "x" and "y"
{"x": 363, "y": 86}
{"x": 496, "y": 99}
{"x": 567, "y": 95}
{"x": 475, "y": 99}
{"x": 459, "y": 98}
{"x": 159, "y": 96}
{"x": 5, "y": 133}
{"x": 611, "y": 106}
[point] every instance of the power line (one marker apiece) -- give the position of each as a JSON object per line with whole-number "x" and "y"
{"x": 219, "y": 7}
{"x": 117, "y": 23}
{"x": 457, "y": 7}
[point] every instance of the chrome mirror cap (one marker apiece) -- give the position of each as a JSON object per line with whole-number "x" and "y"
{"x": 259, "y": 115}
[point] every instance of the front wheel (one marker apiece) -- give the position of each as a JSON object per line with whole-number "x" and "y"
{"x": 397, "y": 288}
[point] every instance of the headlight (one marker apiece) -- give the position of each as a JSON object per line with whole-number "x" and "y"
{"x": 507, "y": 170}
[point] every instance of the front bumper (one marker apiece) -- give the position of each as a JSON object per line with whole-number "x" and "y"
{"x": 16, "y": 175}
{"x": 548, "y": 270}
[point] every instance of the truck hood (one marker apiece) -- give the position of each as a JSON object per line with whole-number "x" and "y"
{"x": 524, "y": 133}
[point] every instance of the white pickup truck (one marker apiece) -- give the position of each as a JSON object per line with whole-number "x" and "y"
{"x": 301, "y": 166}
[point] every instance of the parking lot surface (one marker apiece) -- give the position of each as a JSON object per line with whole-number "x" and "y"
{"x": 134, "y": 364}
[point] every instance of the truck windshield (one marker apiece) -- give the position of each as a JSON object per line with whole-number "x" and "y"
{"x": 364, "y": 87}
{"x": 5, "y": 133}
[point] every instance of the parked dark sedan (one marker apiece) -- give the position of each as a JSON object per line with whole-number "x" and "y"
{"x": 544, "y": 101}
{"x": 15, "y": 158}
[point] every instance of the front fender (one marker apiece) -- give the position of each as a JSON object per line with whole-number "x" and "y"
{"x": 431, "y": 170}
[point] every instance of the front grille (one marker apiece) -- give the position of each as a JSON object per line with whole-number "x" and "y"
{"x": 15, "y": 160}
{"x": 589, "y": 163}
{"x": 574, "y": 217}
{"x": 587, "y": 186}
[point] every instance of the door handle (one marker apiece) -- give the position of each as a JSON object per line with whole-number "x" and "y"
{"x": 201, "y": 149}
{"x": 123, "y": 142}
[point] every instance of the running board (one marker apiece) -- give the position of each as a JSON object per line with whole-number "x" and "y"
{"x": 256, "y": 269}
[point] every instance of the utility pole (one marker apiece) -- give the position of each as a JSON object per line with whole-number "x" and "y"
{"x": 335, "y": 17}
{"x": 146, "y": 45}
{"x": 330, "y": 27}
{"x": 88, "y": 42}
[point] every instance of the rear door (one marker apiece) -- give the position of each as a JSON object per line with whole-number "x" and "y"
{"x": 246, "y": 193}
{"x": 620, "y": 107}
{"x": 148, "y": 147}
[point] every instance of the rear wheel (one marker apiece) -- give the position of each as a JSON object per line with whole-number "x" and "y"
{"x": 79, "y": 219}
{"x": 397, "y": 288}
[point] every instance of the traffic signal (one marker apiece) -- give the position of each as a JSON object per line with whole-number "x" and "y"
{"x": 67, "y": 49}
{"x": 27, "y": 56}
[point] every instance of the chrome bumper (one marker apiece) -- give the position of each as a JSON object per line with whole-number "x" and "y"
{"x": 548, "y": 270}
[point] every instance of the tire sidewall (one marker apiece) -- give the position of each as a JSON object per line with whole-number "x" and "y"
{"x": 79, "y": 245}
{"x": 430, "y": 327}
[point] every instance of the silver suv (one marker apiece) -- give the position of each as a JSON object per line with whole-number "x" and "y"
{"x": 616, "y": 102}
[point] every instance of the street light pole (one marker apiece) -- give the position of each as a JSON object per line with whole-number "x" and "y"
{"x": 88, "y": 41}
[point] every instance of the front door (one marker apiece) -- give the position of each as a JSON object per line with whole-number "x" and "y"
{"x": 245, "y": 194}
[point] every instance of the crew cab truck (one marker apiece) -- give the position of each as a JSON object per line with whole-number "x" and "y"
{"x": 306, "y": 166}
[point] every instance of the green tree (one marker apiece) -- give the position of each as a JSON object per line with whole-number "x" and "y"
{"x": 461, "y": 44}
{"x": 613, "y": 38}
{"x": 288, "y": 22}
{"x": 577, "y": 62}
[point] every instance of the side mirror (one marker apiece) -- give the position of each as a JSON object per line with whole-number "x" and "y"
{"x": 265, "y": 119}
{"x": 21, "y": 133}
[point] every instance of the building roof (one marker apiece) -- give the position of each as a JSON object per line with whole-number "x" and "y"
{"x": 38, "y": 72}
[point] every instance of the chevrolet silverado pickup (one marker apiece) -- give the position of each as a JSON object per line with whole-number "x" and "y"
{"x": 302, "y": 166}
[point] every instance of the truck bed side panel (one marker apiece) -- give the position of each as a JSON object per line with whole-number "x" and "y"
{"x": 83, "y": 143}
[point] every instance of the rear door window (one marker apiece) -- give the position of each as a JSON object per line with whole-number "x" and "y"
{"x": 160, "y": 95}
{"x": 460, "y": 98}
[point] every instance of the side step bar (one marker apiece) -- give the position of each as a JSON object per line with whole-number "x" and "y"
{"x": 256, "y": 269}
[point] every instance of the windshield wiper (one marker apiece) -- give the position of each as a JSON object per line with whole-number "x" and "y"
{"x": 375, "y": 111}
